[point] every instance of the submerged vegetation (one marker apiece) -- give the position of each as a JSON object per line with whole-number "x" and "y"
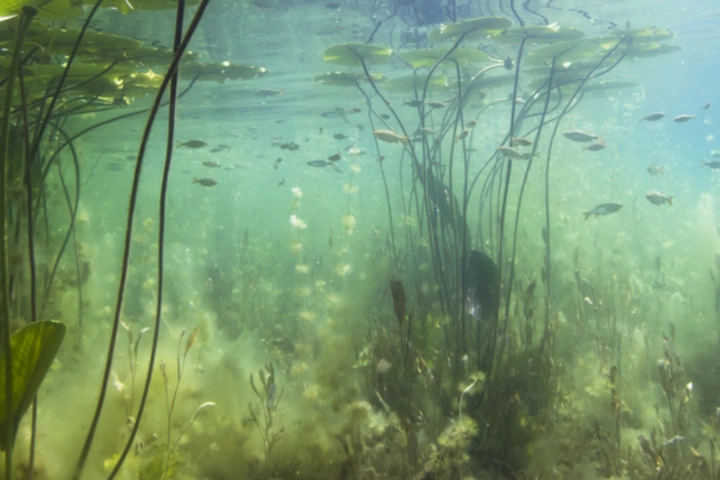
{"x": 453, "y": 318}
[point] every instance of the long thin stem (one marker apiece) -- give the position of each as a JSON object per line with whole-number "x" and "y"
{"x": 25, "y": 18}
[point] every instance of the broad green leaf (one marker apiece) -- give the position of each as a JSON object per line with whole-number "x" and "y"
{"x": 429, "y": 57}
{"x": 351, "y": 54}
{"x": 345, "y": 79}
{"x": 33, "y": 350}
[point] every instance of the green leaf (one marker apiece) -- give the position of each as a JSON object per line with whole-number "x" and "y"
{"x": 351, "y": 54}
{"x": 474, "y": 28}
{"x": 539, "y": 34}
{"x": 33, "y": 350}
{"x": 48, "y": 9}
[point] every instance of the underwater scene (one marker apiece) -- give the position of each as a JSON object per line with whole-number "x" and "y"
{"x": 359, "y": 239}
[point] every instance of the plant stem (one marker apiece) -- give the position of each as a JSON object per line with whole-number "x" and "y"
{"x": 25, "y": 18}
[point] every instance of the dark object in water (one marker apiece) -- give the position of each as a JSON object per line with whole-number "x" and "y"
{"x": 398, "y": 296}
{"x": 481, "y": 284}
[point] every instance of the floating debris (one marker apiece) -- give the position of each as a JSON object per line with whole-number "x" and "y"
{"x": 683, "y": 118}
{"x": 390, "y": 137}
{"x": 653, "y": 117}
{"x": 268, "y": 92}
{"x": 655, "y": 169}
{"x": 205, "y": 181}
{"x": 580, "y": 136}
{"x": 604, "y": 209}
{"x": 658, "y": 198}
{"x": 192, "y": 144}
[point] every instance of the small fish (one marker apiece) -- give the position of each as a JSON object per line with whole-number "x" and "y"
{"x": 385, "y": 116}
{"x": 520, "y": 142}
{"x": 323, "y": 164}
{"x": 281, "y": 183}
{"x": 604, "y": 209}
{"x": 706, "y": 106}
{"x": 580, "y": 136}
{"x": 331, "y": 114}
{"x": 220, "y": 148}
{"x": 289, "y": 146}
{"x": 319, "y": 163}
{"x": 715, "y": 165}
{"x": 390, "y": 137}
{"x": 436, "y": 104}
{"x": 339, "y": 136}
{"x": 510, "y": 152}
{"x": 268, "y": 92}
{"x": 427, "y": 131}
{"x": 192, "y": 144}
{"x": 277, "y": 163}
{"x": 683, "y": 118}
{"x": 658, "y": 198}
{"x": 595, "y": 146}
{"x": 335, "y": 158}
{"x": 355, "y": 110}
{"x": 332, "y": 6}
{"x": 211, "y": 163}
{"x": 413, "y": 103}
{"x": 205, "y": 181}
{"x": 653, "y": 117}
{"x": 655, "y": 169}
{"x": 471, "y": 124}
{"x": 463, "y": 134}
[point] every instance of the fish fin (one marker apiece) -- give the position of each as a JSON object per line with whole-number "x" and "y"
{"x": 404, "y": 140}
{"x": 670, "y": 200}
{"x": 587, "y": 215}
{"x": 282, "y": 92}
{"x": 179, "y": 144}
{"x": 195, "y": 180}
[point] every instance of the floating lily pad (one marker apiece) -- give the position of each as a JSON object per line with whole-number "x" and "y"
{"x": 351, "y": 54}
{"x": 539, "y": 34}
{"x": 61, "y": 42}
{"x": 602, "y": 86}
{"x": 472, "y": 28}
{"x": 429, "y": 57}
{"x": 345, "y": 79}
{"x": 221, "y": 71}
{"x": 50, "y": 10}
{"x": 33, "y": 350}
{"x": 127, "y": 6}
{"x": 563, "y": 52}
{"x": 644, "y": 34}
{"x": 645, "y": 50}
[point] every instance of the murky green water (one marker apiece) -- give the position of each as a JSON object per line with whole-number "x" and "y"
{"x": 373, "y": 264}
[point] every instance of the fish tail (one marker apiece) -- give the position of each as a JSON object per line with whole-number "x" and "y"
{"x": 587, "y": 215}
{"x": 404, "y": 140}
{"x": 179, "y": 144}
{"x": 195, "y": 180}
{"x": 670, "y": 200}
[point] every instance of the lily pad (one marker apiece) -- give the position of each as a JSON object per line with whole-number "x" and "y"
{"x": 563, "y": 52}
{"x": 50, "y": 10}
{"x": 351, "y": 54}
{"x": 429, "y": 57}
{"x": 472, "y": 28}
{"x": 642, "y": 35}
{"x": 345, "y": 79}
{"x": 539, "y": 34}
{"x": 127, "y": 6}
{"x": 33, "y": 350}
{"x": 61, "y": 42}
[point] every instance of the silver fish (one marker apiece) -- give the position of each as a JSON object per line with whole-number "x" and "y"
{"x": 655, "y": 169}
{"x": 653, "y": 117}
{"x": 580, "y": 136}
{"x": 683, "y": 118}
{"x": 604, "y": 209}
{"x": 658, "y": 198}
